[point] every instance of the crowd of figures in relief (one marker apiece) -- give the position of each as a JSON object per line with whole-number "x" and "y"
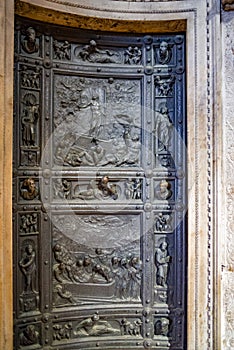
{"x": 122, "y": 273}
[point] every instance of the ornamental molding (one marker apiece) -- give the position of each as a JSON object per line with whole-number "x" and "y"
{"x": 109, "y": 6}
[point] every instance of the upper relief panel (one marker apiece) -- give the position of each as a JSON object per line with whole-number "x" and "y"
{"x": 97, "y": 121}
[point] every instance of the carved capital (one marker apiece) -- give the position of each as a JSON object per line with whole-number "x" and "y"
{"x": 228, "y": 5}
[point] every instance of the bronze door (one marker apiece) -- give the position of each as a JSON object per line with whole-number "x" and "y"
{"x": 99, "y": 189}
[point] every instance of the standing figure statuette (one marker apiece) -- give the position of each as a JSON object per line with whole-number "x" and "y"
{"x": 28, "y": 267}
{"x": 29, "y": 119}
{"x": 162, "y": 262}
{"x": 163, "y": 129}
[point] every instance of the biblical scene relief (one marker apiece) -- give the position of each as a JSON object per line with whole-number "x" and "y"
{"x": 97, "y": 122}
{"x": 97, "y": 325}
{"x": 93, "y": 53}
{"x": 95, "y": 189}
{"x": 96, "y": 258}
{"x": 163, "y": 222}
{"x": 62, "y": 50}
{"x": 103, "y": 188}
{"x": 30, "y": 77}
{"x": 29, "y": 223}
{"x": 161, "y": 327}
{"x": 29, "y": 337}
{"x": 164, "y": 85}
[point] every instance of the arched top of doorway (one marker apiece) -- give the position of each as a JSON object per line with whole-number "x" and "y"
{"x": 108, "y": 15}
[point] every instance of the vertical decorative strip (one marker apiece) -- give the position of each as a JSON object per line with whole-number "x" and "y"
{"x": 196, "y": 189}
{"x": 209, "y": 179}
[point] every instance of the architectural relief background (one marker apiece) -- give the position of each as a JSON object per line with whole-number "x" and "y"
{"x": 228, "y": 123}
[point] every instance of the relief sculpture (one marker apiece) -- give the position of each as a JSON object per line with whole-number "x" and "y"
{"x": 123, "y": 150}
{"x": 163, "y": 223}
{"x": 62, "y": 331}
{"x": 62, "y": 189}
{"x": 29, "y": 297}
{"x": 103, "y": 267}
{"x": 94, "y": 246}
{"x": 63, "y": 293}
{"x": 132, "y": 55}
{"x": 164, "y": 86}
{"x": 29, "y": 189}
{"x": 162, "y": 326}
{"x": 131, "y": 328}
{"x": 94, "y": 326}
{"x": 164, "y": 53}
{"x": 101, "y": 190}
{"x": 29, "y": 336}
{"x": 162, "y": 263}
{"x": 96, "y": 189}
{"x": 29, "y": 43}
{"x": 94, "y": 127}
{"x": 30, "y": 78}
{"x": 28, "y": 267}
{"x": 93, "y": 54}
{"x": 84, "y": 272}
{"x": 133, "y": 189}
{"x": 62, "y": 50}
{"x": 29, "y": 223}
{"x": 29, "y": 119}
{"x": 163, "y": 129}
{"x": 163, "y": 191}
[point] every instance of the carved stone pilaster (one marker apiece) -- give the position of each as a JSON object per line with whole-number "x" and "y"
{"x": 228, "y": 145}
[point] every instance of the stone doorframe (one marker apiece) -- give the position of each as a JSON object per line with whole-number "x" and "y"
{"x": 200, "y": 19}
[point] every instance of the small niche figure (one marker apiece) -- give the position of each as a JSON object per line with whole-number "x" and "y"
{"x": 29, "y": 336}
{"x": 28, "y": 267}
{"x": 162, "y": 222}
{"x": 107, "y": 189}
{"x": 163, "y": 128}
{"x": 164, "y": 53}
{"x": 28, "y": 189}
{"x": 29, "y": 120}
{"x": 29, "y": 43}
{"x": 162, "y": 262}
{"x": 162, "y": 327}
{"x": 164, "y": 191}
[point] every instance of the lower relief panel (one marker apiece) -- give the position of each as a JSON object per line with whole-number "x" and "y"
{"x": 97, "y": 271}
{"x": 96, "y": 259}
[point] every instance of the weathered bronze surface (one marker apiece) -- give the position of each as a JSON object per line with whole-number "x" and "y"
{"x": 99, "y": 189}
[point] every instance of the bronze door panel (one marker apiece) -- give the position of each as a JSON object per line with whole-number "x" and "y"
{"x": 99, "y": 189}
